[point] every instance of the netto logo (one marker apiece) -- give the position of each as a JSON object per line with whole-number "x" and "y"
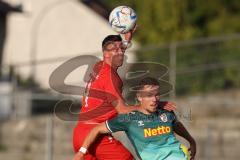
{"x": 160, "y": 130}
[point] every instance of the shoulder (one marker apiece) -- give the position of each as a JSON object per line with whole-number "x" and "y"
{"x": 104, "y": 71}
{"x": 101, "y": 72}
{"x": 166, "y": 115}
{"x": 131, "y": 116}
{"x": 166, "y": 112}
{"x": 98, "y": 68}
{"x": 133, "y": 113}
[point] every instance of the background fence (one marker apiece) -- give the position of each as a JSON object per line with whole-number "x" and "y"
{"x": 206, "y": 84}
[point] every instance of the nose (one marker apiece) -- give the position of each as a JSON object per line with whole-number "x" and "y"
{"x": 119, "y": 48}
{"x": 119, "y": 51}
{"x": 154, "y": 98}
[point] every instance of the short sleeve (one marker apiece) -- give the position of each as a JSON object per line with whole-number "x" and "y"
{"x": 118, "y": 123}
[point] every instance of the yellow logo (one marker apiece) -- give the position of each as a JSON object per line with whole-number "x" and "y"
{"x": 149, "y": 132}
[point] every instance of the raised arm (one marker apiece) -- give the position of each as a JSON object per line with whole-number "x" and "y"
{"x": 92, "y": 136}
{"x": 182, "y": 131}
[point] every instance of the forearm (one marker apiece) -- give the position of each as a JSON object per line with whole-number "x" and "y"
{"x": 94, "y": 133}
{"x": 92, "y": 136}
{"x": 182, "y": 131}
{"x": 122, "y": 108}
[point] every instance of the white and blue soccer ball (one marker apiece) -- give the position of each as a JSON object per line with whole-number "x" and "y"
{"x": 122, "y": 19}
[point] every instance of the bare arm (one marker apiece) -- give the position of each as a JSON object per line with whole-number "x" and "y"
{"x": 92, "y": 136}
{"x": 182, "y": 131}
{"x": 122, "y": 108}
{"x": 94, "y": 133}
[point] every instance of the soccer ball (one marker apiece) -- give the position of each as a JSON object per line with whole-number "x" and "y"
{"x": 122, "y": 19}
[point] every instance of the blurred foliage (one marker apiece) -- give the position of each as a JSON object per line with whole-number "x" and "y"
{"x": 166, "y": 21}
{"x": 27, "y": 83}
{"x": 22, "y": 82}
{"x": 3, "y": 147}
{"x": 173, "y": 20}
{"x": 208, "y": 67}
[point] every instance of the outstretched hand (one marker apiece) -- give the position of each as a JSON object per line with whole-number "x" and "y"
{"x": 192, "y": 150}
{"x": 128, "y": 36}
{"x": 170, "y": 106}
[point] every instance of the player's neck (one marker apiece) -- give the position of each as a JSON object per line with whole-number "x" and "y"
{"x": 107, "y": 61}
{"x": 141, "y": 109}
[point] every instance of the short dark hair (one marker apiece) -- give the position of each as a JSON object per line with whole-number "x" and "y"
{"x": 111, "y": 38}
{"x": 148, "y": 81}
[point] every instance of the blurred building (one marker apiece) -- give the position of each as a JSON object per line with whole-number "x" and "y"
{"x": 6, "y": 100}
{"x": 50, "y": 32}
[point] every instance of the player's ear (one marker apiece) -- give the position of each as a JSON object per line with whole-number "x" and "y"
{"x": 136, "y": 101}
{"x": 138, "y": 97}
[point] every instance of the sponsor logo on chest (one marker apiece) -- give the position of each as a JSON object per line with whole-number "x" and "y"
{"x": 163, "y": 117}
{"x": 160, "y": 130}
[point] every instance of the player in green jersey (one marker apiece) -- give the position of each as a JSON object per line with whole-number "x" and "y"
{"x": 150, "y": 129}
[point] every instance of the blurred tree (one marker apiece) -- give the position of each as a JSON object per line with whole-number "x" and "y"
{"x": 166, "y": 21}
{"x": 172, "y": 20}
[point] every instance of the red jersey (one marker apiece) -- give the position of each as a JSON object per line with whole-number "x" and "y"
{"x": 104, "y": 87}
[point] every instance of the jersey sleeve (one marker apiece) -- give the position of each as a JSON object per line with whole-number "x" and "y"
{"x": 118, "y": 123}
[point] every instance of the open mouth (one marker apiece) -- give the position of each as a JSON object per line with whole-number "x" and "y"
{"x": 154, "y": 105}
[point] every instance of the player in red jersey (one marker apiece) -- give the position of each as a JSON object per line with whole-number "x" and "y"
{"x": 103, "y": 101}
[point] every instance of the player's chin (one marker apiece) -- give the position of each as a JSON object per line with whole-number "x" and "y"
{"x": 153, "y": 108}
{"x": 120, "y": 63}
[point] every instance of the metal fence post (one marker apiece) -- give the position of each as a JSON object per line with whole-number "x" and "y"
{"x": 49, "y": 135}
{"x": 172, "y": 74}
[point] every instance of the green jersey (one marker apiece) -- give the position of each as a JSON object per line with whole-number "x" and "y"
{"x": 151, "y": 135}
